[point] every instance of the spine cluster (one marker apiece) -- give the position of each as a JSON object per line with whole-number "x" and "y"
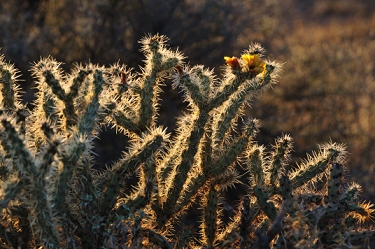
{"x": 52, "y": 197}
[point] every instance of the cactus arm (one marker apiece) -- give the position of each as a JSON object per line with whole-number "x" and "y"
{"x": 126, "y": 166}
{"x": 41, "y": 210}
{"x": 265, "y": 204}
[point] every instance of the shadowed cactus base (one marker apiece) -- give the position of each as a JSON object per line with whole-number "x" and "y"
{"x": 51, "y": 197}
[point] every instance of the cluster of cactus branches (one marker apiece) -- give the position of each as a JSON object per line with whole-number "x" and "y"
{"x": 51, "y": 196}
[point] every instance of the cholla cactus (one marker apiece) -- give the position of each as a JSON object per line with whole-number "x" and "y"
{"x": 53, "y": 198}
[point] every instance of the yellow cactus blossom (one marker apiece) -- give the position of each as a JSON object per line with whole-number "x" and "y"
{"x": 232, "y": 62}
{"x": 254, "y": 64}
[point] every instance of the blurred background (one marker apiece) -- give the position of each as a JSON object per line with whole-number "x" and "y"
{"x": 325, "y": 93}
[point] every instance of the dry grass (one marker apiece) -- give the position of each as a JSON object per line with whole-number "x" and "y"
{"x": 327, "y": 90}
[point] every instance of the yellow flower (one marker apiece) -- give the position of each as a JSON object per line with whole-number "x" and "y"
{"x": 254, "y": 64}
{"x": 232, "y": 62}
